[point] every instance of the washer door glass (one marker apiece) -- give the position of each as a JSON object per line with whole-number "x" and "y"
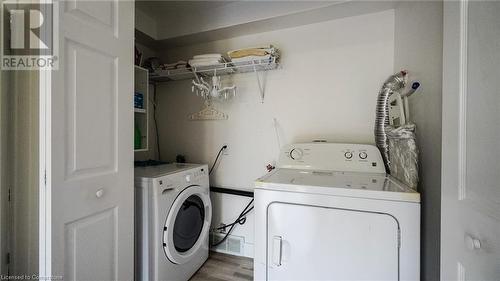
{"x": 189, "y": 223}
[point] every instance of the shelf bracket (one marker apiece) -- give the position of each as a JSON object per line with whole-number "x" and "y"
{"x": 260, "y": 83}
{"x": 195, "y": 75}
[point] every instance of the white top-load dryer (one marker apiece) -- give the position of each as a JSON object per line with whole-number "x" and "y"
{"x": 173, "y": 215}
{"x": 330, "y": 212}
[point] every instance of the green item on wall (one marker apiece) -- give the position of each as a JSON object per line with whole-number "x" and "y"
{"x": 137, "y": 138}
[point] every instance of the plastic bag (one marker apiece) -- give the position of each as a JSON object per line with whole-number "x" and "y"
{"x": 403, "y": 154}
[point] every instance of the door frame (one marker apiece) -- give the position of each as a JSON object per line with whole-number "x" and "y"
{"x": 453, "y": 168}
{"x": 44, "y": 214}
{"x": 44, "y": 157}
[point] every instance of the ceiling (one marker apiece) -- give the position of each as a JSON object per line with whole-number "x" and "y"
{"x": 176, "y": 23}
{"x": 160, "y": 9}
{"x": 170, "y": 19}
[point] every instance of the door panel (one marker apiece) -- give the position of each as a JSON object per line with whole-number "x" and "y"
{"x": 315, "y": 243}
{"x": 90, "y": 167}
{"x": 481, "y": 201}
{"x": 98, "y": 13}
{"x": 92, "y": 100}
{"x": 470, "y": 235}
{"x": 92, "y": 238}
{"x": 483, "y": 108}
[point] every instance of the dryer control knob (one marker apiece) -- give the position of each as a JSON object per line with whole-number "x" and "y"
{"x": 363, "y": 155}
{"x": 296, "y": 154}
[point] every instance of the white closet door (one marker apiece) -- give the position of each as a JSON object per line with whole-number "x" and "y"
{"x": 315, "y": 243}
{"x": 470, "y": 222}
{"x": 90, "y": 233}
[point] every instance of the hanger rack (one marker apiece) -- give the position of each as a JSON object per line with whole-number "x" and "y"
{"x": 227, "y": 68}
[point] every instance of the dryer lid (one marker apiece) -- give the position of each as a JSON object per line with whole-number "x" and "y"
{"x": 351, "y": 184}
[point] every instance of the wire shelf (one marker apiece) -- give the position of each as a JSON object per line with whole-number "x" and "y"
{"x": 219, "y": 69}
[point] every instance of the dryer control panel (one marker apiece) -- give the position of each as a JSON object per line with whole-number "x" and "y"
{"x": 332, "y": 157}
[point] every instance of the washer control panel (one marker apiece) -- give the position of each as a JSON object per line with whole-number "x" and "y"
{"x": 199, "y": 173}
{"x": 332, "y": 157}
{"x": 194, "y": 175}
{"x": 181, "y": 179}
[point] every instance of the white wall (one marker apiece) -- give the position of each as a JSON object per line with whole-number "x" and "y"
{"x": 22, "y": 172}
{"x": 19, "y": 172}
{"x": 418, "y": 48}
{"x": 226, "y": 208}
{"x": 326, "y": 89}
{"x": 5, "y": 168}
{"x": 146, "y": 24}
{"x": 146, "y": 51}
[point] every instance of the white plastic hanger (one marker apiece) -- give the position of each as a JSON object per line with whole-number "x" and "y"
{"x": 209, "y": 112}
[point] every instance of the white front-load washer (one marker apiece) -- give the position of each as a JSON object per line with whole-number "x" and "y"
{"x": 330, "y": 212}
{"x": 173, "y": 215}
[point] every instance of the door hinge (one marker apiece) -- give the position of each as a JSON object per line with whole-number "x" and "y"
{"x": 8, "y": 196}
{"x": 45, "y": 177}
{"x": 7, "y": 260}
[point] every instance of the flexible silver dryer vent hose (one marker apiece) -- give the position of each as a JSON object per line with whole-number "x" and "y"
{"x": 393, "y": 84}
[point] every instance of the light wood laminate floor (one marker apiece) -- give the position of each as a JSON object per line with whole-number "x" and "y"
{"x": 222, "y": 267}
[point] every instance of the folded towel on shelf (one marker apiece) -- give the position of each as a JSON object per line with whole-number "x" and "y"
{"x": 200, "y": 62}
{"x": 208, "y": 56}
{"x": 251, "y": 58}
{"x": 253, "y": 53}
{"x": 206, "y": 60}
{"x": 247, "y": 52}
{"x": 176, "y": 65}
